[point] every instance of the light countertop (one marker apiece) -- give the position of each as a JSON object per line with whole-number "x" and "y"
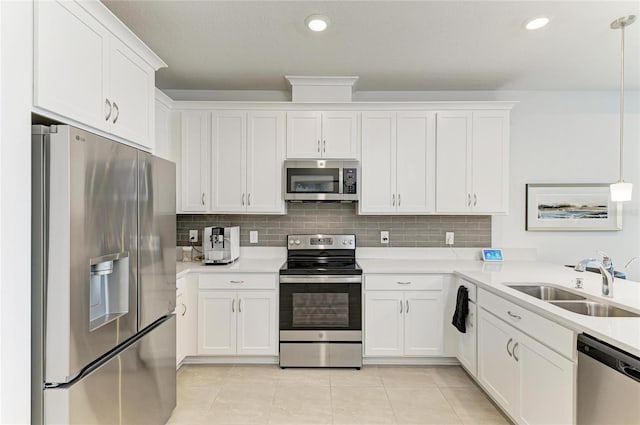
{"x": 623, "y": 332}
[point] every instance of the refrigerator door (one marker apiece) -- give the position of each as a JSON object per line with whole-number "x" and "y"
{"x": 90, "y": 250}
{"x": 134, "y": 386}
{"x": 157, "y": 238}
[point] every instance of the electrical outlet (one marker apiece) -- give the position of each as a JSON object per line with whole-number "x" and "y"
{"x": 384, "y": 237}
{"x": 253, "y": 236}
{"x": 448, "y": 238}
{"x": 193, "y": 236}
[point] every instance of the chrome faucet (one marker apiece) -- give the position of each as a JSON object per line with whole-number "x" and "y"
{"x": 606, "y": 270}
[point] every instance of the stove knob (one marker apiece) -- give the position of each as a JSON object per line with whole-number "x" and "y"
{"x": 297, "y": 241}
{"x": 290, "y": 241}
{"x": 350, "y": 242}
{"x": 344, "y": 242}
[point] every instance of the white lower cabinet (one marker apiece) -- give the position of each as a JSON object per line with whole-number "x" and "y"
{"x": 237, "y": 322}
{"x": 186, "y": 317}
{"x": 403, "y": 322}
{"x": 531, "y": 382}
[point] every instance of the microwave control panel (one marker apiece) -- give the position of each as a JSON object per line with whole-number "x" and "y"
{"x": 350, "y": 180}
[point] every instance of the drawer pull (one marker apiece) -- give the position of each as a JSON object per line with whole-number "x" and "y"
{"x": 404, "y": 283}
{"x": 508, "y": 343}
{"x": 236, "y": 281}
{"x": 515, "y": 316}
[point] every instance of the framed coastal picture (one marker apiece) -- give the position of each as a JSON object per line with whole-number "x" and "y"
{"x": 571, "y": 207}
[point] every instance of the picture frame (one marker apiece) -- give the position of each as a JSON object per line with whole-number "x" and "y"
{"x": 580, "y": 207}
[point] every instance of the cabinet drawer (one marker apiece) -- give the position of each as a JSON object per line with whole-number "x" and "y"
{"x": 237, "y": 281}
{"x": 551, "y": 334}
{"x": 403, "y": 282}
{"x": 471, "y": 287}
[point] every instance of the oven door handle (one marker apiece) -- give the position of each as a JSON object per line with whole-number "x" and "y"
{"x": 302, "y": 279}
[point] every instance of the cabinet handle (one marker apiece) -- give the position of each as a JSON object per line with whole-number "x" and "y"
{"x": 318, "y": 145}
{"x": 515, "y": 356}
{"x": 185, "y": 309}
{"x": 233, "y": 305}
{"x": 249, "y": 200}
{"x": 470, "y": 320}
{"x": 236, "y": 281}
{"x": 509, "y": 342}
{"x": 399, "y": 199}
{"x": 115, "y": 105}
{"x": 243, "y": 199}
{"x": 393, "y": 200}
{"x": 475, "y": 199}
{"x": 240, "y": 305}
{"x": 400, "y": 306}
{"x": 468, "y": 199}
{"x": 404, "y": 283}
{"x": 515, "y": 316}
{"x": 324, "y": 146}
{"x": 108, "y": 105}
{"x": 202, "y": 198}
{"x": 407, "y": 310}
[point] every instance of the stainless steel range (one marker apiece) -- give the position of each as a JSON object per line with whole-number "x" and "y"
{"x": 321, "y": 303}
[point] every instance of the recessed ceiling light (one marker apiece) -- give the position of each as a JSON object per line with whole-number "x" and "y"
{"x": 536, "y": 23}
{"x": 317, "y": 23}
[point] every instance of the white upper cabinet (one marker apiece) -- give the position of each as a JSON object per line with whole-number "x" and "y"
{"x": 84, "y": 72}
{"x": 472, "y": 162}
{"x": 71, "y": 53}
{"x": 195, "y": 166}
{"x": 398, "y": 162}
{"x": 332, "y": 134}
{"x": 248, "y": 151}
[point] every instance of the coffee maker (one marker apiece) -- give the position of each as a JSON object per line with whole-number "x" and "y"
{"x": 221, "y": 245}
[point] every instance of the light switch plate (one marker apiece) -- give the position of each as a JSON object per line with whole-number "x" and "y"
{"x": 253, "y": 236}
{"x": 384, "y": 237}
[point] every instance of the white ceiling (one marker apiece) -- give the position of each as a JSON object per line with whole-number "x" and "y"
{"x": 390, "y": 45}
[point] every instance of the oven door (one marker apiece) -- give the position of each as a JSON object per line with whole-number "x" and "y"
{"x": 320, "y": 308}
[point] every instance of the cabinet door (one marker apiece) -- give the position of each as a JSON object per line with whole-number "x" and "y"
{"x": 415, "y": 162}
{"x": 467, "y": 348}
{"x": 304, "y": 134}
{"x": 497, "y": 370}
{"x": 340, "y": 134}
{"x": 490, "y": 161}
{"x": 190, "y": 299}
{"x": 257, "y": 323}
{"x": 196, "y": 178}
{"x": 453, "y": 142}
{"x": 229, "y": 150}
{"x": 70, "y": 60}
{"x": 217, "y": 322}
{"x": 383, "y": 323}
{"x": 545, "y": 379}
{"x": 378, "y": 163}
{"x": 131, "y": 92}
{"x": 180, "y": 328}
{"x": 423, "y": 327}
{"x": 265, "y": 154}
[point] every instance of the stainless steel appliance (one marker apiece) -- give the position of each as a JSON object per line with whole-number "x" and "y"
{"x": 103, "y": 281}
{"x": 221, "y": 245}
{"x": 321, "y": 303}
{"x": 321, "y": 180}
{"x": 608, "y": 384}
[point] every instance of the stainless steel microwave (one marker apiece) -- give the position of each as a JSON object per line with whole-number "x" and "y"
{"x": 321, "y": 180}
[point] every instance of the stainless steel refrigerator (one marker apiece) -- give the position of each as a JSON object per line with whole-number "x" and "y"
{"x": 103, "y": 277}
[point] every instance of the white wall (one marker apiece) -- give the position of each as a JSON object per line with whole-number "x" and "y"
{"x": 15, "y": 210}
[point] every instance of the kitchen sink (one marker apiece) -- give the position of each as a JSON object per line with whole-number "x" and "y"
{"x": 594, "y": 308}
{"x": 546, "y": 292}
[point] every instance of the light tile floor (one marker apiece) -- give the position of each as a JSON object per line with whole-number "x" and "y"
{"x": 374, "y": 395}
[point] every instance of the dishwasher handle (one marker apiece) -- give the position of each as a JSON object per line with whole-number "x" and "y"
{"x": 616, "y": 359}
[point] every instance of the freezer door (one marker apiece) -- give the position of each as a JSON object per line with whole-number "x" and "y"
{"x": 134, "y": 386}
{"x": 90, "y": 278}
{"x": 157, "y": 239}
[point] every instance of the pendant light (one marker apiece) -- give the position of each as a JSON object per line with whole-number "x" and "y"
{"x": 621, "y": 190}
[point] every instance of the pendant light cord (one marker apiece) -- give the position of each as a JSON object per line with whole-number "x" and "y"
{"x": 621, "y": 99}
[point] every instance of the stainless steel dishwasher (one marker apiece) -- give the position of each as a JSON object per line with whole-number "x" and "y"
{"x": 608, "y": 384}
